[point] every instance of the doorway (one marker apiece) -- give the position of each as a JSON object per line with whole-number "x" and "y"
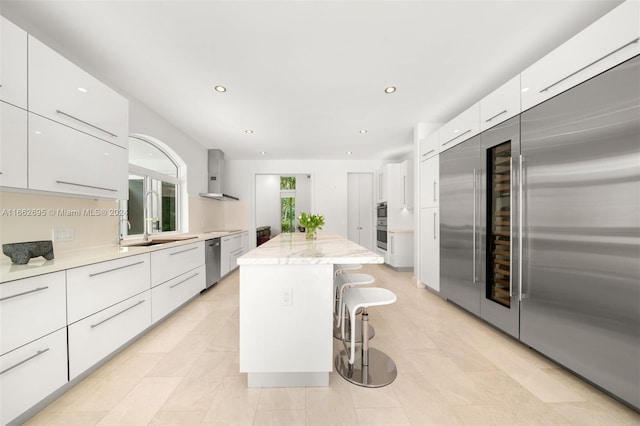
{"x": 360, "y": 209}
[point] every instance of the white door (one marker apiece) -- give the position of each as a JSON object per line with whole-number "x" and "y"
{"x": 360, "y": 209}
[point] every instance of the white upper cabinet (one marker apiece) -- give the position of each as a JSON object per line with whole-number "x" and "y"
{"x": 13, "y": 64}
{"x": 13, "y": 146}
{"x": 65, "y": 160}
{"x": 501, "y": 104}
{"x": 430, "y": 182}
{"x": 460, "y": 128}
{"x": 63, "y": 92}
{"x": 429, "y": 146}
{"x": 607, "y": 42}
{"x": 382, "y": 176}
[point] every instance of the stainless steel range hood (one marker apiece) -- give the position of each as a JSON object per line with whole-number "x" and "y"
{"x": 216, "y": 177}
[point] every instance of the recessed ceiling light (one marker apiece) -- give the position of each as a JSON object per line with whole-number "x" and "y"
{"x": 263, "y": 152}
{"x": 525, "y": 89}
{"x": 349, "y": 152}
{"x": 456, "y": 131}
{"x": 249, "y": 131}
{"x": 37, "y": 132}
{"x": 390, "y": 89}
{"x": 363, "y": 130}
{"x": 150, "y": 154}
{"x": 220, "y": 89}
{"x": 82, "y": 89}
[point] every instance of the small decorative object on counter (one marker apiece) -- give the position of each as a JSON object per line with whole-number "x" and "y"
{"x": 311, "y": 223}
{"x": 21, "y": 253}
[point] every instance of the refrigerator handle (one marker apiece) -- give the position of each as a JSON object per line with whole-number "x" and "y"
{"x": 511, "y": 226}
{"x": 474, "y": 226}
{"x": 521, "y": 226}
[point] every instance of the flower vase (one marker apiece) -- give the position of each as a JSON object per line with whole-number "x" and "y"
{"x": 310, "y": 234}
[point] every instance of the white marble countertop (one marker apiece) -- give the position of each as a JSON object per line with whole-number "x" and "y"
{"x": 67, "y": 259}
{"x": 295, "y": 249}
{"x": 400, "y": 231}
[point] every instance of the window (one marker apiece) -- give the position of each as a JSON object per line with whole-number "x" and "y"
{"x": 288, "y": 203}
{"x": 154, "y": 189}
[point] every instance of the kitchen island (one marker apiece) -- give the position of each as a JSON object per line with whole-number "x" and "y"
{"x": 286, "y": 308}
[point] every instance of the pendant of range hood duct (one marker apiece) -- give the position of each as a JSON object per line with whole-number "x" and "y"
{"x": 215, "y": 185}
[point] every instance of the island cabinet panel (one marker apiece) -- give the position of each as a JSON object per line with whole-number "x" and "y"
{"x": 172, "y": 294}
{"x": 98, "y": 286}
{"x": 97, "y": 336}
{"x": 65, "y": 160}
{"x": 31, "y": 308}
{"x": 286, "y": 320}
{"x": 13, "y": 64}
{"x": 31, "y": 373}
{"x": 169, "y": 263}
{"x": 61, "y": 91}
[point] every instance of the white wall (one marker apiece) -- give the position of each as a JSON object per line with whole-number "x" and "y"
{"x": 328, "y": 185}
{"x": 267, "y": 206}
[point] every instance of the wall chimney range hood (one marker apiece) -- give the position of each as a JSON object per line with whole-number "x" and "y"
{"x": 216, "y": 177}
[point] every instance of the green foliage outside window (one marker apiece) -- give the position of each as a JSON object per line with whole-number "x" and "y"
{"x": 287, "y": 182}
{"x": 288, "y": 209}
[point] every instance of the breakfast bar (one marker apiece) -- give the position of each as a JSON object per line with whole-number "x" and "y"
{"x": 286, "y": 306}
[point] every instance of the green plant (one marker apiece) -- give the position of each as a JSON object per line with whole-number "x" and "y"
{"x": 311, "y": 223}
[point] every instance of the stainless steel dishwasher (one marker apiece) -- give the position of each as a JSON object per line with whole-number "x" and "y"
{"x": 212, "y": 261}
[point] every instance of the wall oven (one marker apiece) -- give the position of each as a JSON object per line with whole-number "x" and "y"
{"x": 382, "y": 211}
{"x": 381, "y": 233}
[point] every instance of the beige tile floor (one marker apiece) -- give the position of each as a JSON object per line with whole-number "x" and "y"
{"x": 452, "y": 369}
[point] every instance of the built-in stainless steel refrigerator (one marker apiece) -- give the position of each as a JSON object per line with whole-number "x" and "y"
{"x": 540, "y": 228}
{"x": 581, "y": 236}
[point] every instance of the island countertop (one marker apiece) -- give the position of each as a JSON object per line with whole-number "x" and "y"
{"x": 295, "y": 249}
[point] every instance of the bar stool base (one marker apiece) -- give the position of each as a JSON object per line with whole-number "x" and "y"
{"x": 380, "y": 372}
{"x": 338, "y": 335}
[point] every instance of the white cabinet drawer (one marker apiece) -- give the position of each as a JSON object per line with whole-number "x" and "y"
{"x": 501, "y": 104}
{"x": 169, "y": 263}
{"x": 95, "y": 337}
{"x": 169, "y": 295}
{"x": 461, "y": 128}
{"x": 430, "y": 146}
{"x": 430, "y": 182}
{"x": 68, "y": 161}
{"x": 31, "y": 308}
{"x": 63, "y": 92}
{"x": 609, "y": 41}
{"x": 31, "y": 373}
{"x": 13, "y": 64}
{"x": 13, "y": 146}
{"x": 96, "y": 287}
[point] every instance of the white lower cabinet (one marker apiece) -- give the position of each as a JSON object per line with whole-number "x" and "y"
{"x": 430, "y": 247}
{"x": 95, "y": 287}
{"x": 31, "y": 308}
{"x": 168, "y": 263}
{"x": 97, "y": 336}
{"x": 167, "y": 296}
{"x": 65, "y": 160}
{"x": 232, "y": 247}
{"x": 31, "y": 373}
{"x": 400, "y": 249}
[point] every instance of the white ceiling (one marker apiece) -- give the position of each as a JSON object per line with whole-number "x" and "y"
{"x": 305, "y": 76}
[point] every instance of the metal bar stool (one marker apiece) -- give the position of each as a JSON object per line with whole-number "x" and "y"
{"x": 340, "y": 283}
{"x": 372, "y": 368}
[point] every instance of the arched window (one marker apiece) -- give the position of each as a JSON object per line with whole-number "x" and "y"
{"x": 156, "y": 174}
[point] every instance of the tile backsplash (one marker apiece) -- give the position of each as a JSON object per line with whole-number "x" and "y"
{"x": 32, "y": 217}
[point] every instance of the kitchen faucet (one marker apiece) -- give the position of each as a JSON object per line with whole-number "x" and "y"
{"x": 147, "y": 217}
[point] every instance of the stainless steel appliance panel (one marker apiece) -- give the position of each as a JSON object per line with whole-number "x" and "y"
{"x": 581, "y": 241}
{"x": 460, "y": 270}
{"x": 507, "y": 318}
{"x": 212, "y": 261}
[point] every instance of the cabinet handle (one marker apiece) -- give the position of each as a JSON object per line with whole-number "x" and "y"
{"x": 435, "y": 237}
{"x": 510, "y": 227}
{"x": 404, "y": 190}
{"x": 115, "y": 269}
{"x": 428, "y": 152}
{"x": 23, "y": 361}
{"x": 456, "y": 137}
{"x": 497, "y": 115}
{"x": 591, "y": 64}
{"x": 182, "y": 251}
{"x": 434, "y": 190}
{"x": 23, "y": 293}
{"x": 84, "y": 122}
{"x": 186, "y": 279}
{"x": 86, "y": 186}
{"x": 116, "y": 314}
{"x": 521, "y": 227}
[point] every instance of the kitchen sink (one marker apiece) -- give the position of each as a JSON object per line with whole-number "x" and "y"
{"x": 158, "y": 241}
